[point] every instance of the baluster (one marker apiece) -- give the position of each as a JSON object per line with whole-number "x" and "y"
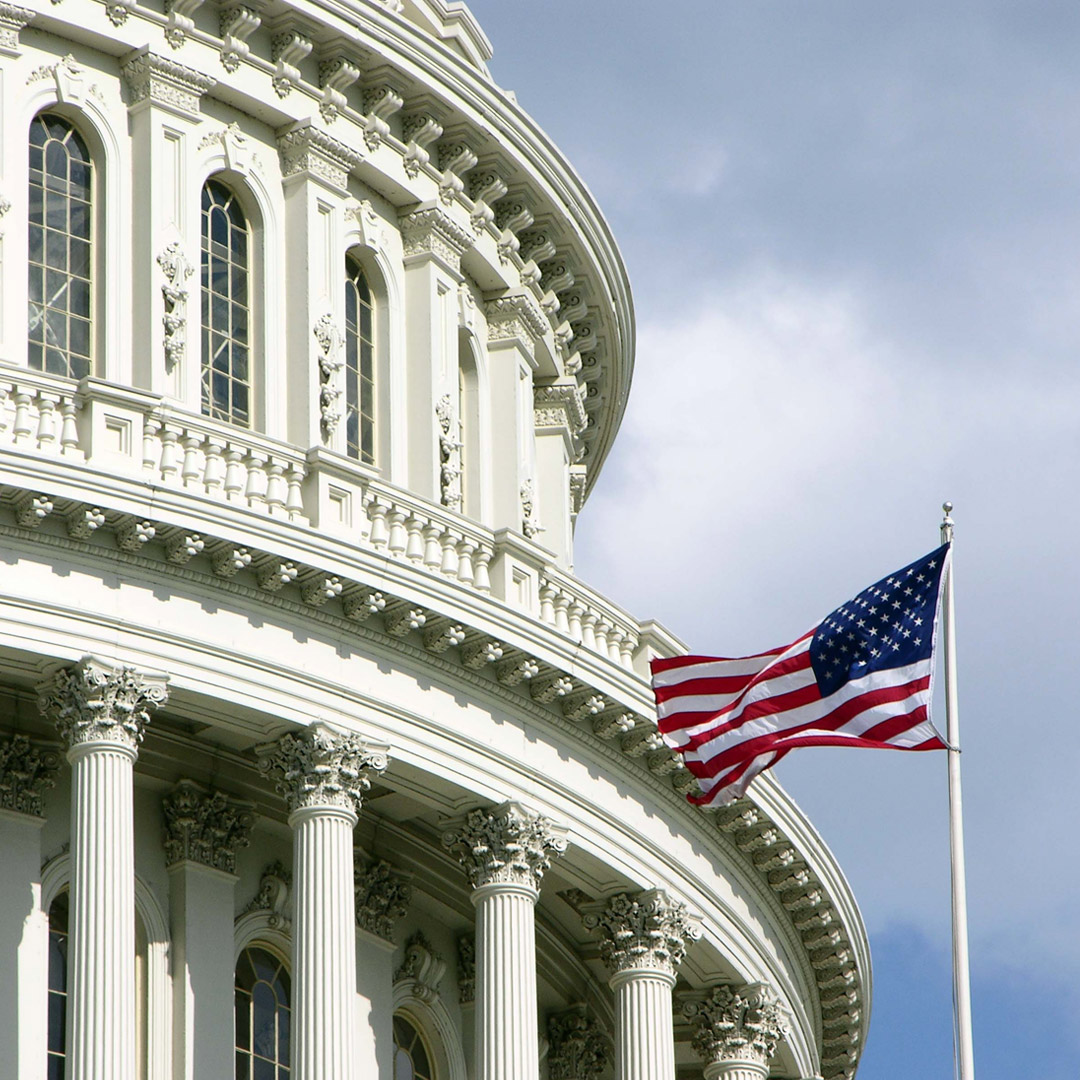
{"x": 481, "y": 577}
{"x": 294, "y": 500}
{"x": 562, "y": 602}
{"x": 465, "y": 573}
{"x": 603, "y": 628}
{"x": 22, "y": 428}
{"x": 377, "y": 512}
{"x": 255, "y": 489}
{"x": 151, "y": 446}
{"x": 276, "y": 487}
{"x": 69, "y": 428}
{"x": 398, "y": 535}
{"x": 5, "y": 396}
{"x": 449, "y": 563}
{"x": 574, "y": 628}
{"x": 213, "y": 466}
{"x": 588, "y": 630}
{"x": 234, "y": 473}
{"x": 190, "y": 472}
{"x": 433, "y": 546}
{"x": 414, "y": 551}
{"x": 547, "y": 605}
{"x": 46, "y": 426}
{"x": 169, "y": 467}
{"x": 627, "y": 646}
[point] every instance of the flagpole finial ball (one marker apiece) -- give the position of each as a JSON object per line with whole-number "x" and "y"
{"x": 947, "y": 507}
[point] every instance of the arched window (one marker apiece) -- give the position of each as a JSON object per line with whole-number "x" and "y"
{"x": 61, "y": 256}
{"x": 359, "y": 364}
{"x": 411, "y": 1058}
{"x": 58, "y": 992}
{"x": 262, "y": 1016}
{"x": 226, "y": 306}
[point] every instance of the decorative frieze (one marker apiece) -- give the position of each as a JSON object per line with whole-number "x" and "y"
{"x": 466, "y": 962}
{"x": 160, "y": 81}
{"x": 505, "y": 845}
{"x": 27, "y": 771}
{"x": 12, "y": 20}
{"x": 321, "y": 767}
{"x": 434, "y": 232}
{"x": 93, "y": 701}
{"x": 559, "y": 405}
{"x": 206, "y": 827}
{"x": 515, "y": 318}
{"x": 274, "y": 896}
{"x": 449, "y": 453}
{"x": 177, "y": 268}
{"x": 647, "y": 931}
{"x": 382, "y": 897}
{"x": 423, "y": 968}
{"x": 308, "y": 149}
{"x": 577, "y": 1047}
{"x": 737, "y": 1024}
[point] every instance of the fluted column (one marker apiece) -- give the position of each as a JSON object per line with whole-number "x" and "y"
{"x": 323, "y": 775}
{"x": 101, "y": 713}
{"x": 736, "y": 1030}
{"x": 642, "y": 941}
{"x": 505, "y": 853}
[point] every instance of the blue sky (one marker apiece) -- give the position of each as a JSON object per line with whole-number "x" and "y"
{"x": 853, "y": 233}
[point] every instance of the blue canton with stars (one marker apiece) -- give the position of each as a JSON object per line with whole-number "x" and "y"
{"x": 889, "y": 625}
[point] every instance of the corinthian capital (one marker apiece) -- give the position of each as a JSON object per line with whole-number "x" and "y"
{"x": 578, "y": 1048}
{"x": 93, "y": 702}
{"x": 737, "y": 1024}
{"x": 649, "y": 930}
{"x": 506, "y": 845}
{"x": 204, "y": 826}
{"x": 26, "y": 772}
{"x": 382, "y": 897}
{"x": 320, "y": 767}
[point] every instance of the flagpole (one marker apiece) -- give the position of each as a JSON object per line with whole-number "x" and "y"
{"x": 964, "y": 1064}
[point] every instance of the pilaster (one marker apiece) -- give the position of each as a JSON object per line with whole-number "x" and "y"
{"x": 643, "y": 941}
{"x": 558, "y": 421}
{"x": 505, "y": 853}
{"x": 101, "y": 713}
{"x": 323, "y": 776}
{"x": 164, "y": 101}
{"x": 736, "y": 1030}
{"x": 203, "y": 831}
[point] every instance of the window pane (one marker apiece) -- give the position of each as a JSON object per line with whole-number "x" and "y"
{"x": 243, "y": 1066}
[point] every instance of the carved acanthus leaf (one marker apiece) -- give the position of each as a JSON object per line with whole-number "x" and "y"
{"x": 423, "y": 967}
{"x": 578, "y": 1048}
{"x": 737, "y": 1024}
{"x": 204, "y": 826}
{"x": 648, "y": 930}
{"x": 27, "y": 771}
{"x": 382, "y": 897}
{"x": 274, "y": 895}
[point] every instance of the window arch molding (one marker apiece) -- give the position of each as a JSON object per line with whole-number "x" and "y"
{"x": 55, "y": 877}
{"x": 66, "y": 96}
{"x": 230, "y": 160}
{"x": 265, "y": 929}
{"x": 433, "y": 1021}
{"x": 367, "y": 246}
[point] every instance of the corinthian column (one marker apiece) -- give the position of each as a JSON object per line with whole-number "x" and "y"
{"x": 736, "y": 1030}
{"x": 323, "y": 775}
{"x": 101, "y": 713}
{"x": 505, "y": 853}
{"x": 643, "y": 941}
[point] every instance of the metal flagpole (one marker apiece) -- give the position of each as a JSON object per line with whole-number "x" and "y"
{"x": 964, "y": 1063}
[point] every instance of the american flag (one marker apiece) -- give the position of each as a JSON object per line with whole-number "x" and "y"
{"x": 861, "y": 677}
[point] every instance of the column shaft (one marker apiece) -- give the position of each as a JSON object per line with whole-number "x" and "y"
{"x": 101, "y": 964}
{"x": 644, "y": 1028}
{"x": 506, "y": 1034}
{"x": 324, "y": 944}
{"x": 737, "y": 1070}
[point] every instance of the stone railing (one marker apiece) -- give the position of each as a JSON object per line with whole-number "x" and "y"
{"x": 141, "y": 436}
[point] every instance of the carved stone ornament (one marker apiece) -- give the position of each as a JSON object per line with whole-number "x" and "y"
{"x": 329, "y": 339}
{"x": 274, "y": 896}
{"x": 559, "y": 405}
{"x": 368, "y": 224}
{"x": 160, "y": 81}
{"x": 579, "y": 478}
{"x": 236, "y": 24}
{"x": 289, "y": 49}
{"x": 505, "y": 845}
{"x": 320, "y": 767}
{"x": 423, "y": 966}
{"x": 434, "y": 232}
{"x": 177, "y": 269}
{"x": 235, "y": 147}
{"x": 577, "y": 1048}
{"x": 27, "y": 771}
{"x": 528, "y": 510}
{"x": 181, "y": 20}
{"x": 92, "y": 701}
{"x": 382, "y": 897}
{"x": 419, "y": 131}
{"x": 308, "y": 149}
{"x": 649, "y": 930}
{"x": 449, "y": 453}
{"x": 466, "y": 960}
{"x": 12, "y": 20}
{"x": 336, "y": 75}
{"x": 737, "y": 1024}
{"x": 206, "y": 827}
{"x": 515, "y": 318}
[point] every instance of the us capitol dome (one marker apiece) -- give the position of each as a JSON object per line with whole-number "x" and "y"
{"x": 316, "y": 758}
